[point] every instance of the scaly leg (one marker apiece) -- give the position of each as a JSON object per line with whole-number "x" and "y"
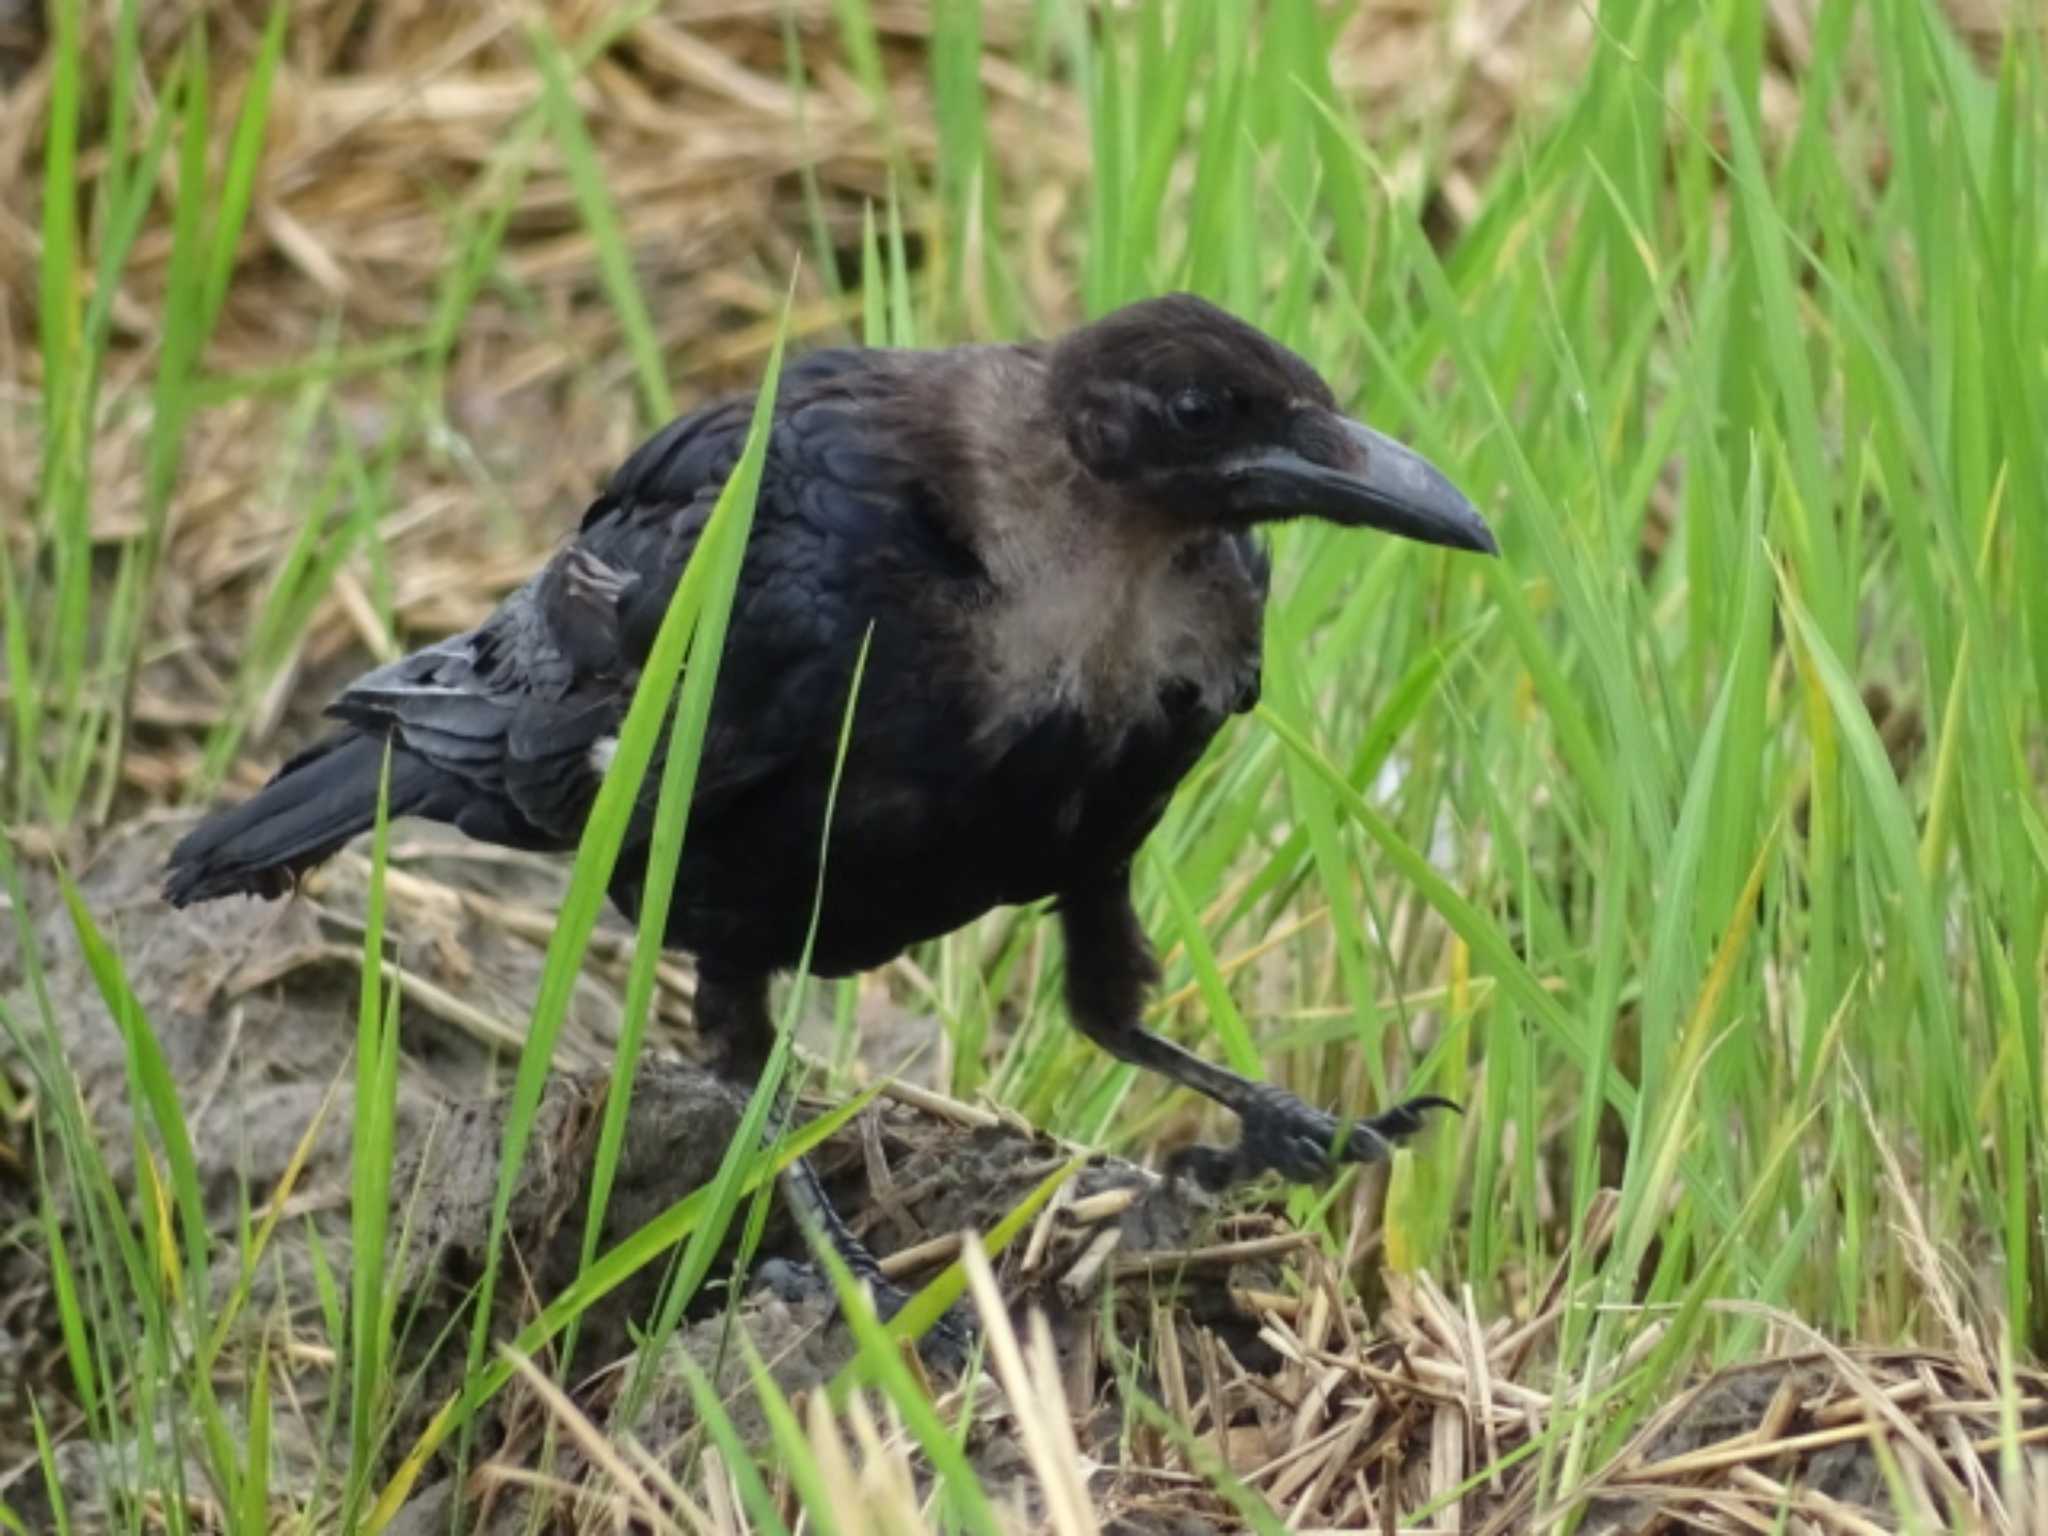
{"x": 733, "y": 1012}
{"x": 1109, "y": 968}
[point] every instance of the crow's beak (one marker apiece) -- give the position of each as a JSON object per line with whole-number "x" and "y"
{"x": 1396, "y": 490}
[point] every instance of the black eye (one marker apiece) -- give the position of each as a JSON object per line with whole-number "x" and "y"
{"x": 1195, "y": 411}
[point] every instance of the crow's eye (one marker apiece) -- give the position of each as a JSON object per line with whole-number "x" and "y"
{"x": 1196, "y": 412}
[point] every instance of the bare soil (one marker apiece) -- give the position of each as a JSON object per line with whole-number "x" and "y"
{"x": 254, "y": 1007}
{"x": 1245, "y": 1330}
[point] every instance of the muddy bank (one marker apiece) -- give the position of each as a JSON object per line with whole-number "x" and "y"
{"x": 254, "y": 1006}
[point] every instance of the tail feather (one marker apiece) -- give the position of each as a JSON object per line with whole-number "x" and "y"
{"x": 316, "y": 803}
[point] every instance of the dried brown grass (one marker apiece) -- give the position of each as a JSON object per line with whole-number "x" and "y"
{"x": 391, "y": 114}
{"x": 1418, "y": 1413}
{"x": 392, "y": 119}
{"x": 1420, "y": 1418}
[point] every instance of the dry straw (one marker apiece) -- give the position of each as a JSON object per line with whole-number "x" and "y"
{"x": 392, "y": 122}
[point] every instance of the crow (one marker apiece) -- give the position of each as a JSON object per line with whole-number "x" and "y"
{"x": 1050, "y": 551}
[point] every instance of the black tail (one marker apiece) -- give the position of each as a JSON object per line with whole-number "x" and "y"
{"x": 318, "y": 801}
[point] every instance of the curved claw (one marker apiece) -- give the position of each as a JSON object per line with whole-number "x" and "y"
{"x": 1391, "y": 1126}
{"x": 1285, "y": 1136}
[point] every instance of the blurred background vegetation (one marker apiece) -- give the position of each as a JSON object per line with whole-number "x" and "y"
{"x": 1699, "y": 846}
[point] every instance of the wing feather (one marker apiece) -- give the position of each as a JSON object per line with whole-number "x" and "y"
{"x": 522, "y": 706}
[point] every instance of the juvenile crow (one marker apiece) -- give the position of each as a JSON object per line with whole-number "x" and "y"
{"x": 1054, "y": 545}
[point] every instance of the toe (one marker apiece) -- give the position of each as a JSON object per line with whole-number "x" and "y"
{"x": 1406, "y": 1118}
{"x": 949, "y": 1342}
{"x": 1304, "y": 1144}
{"x": 1363, "y": 1143}
{"x": 1298, "y": 1162}
{"x": 1213, "y": 1168}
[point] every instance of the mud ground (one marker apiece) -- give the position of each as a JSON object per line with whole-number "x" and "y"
{"x": 254, "y": 1007}
{"x": 1354, "y": 1409}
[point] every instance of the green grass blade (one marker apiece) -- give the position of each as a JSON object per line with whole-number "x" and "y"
{"x": 601, "y": 218}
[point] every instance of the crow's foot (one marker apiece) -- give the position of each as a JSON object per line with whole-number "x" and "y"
{"x": 946, "y": 1345}
{"x": 1285, "y": 1136}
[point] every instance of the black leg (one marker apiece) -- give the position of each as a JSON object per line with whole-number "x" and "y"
{"x": 733, "y": 1020}
{"x": 1109, "y": 968}
{"x": 732, "y": 1011}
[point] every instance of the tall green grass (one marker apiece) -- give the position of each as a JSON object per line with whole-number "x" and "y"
{"x": 1605, "y": 843}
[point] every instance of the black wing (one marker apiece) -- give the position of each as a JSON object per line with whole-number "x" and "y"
{"x": 523, "y": 709}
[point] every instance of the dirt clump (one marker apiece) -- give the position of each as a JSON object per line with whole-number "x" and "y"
{"x": 253, "y": 1008}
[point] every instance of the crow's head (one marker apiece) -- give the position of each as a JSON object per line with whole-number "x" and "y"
{"x": 1189, "y": 409}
